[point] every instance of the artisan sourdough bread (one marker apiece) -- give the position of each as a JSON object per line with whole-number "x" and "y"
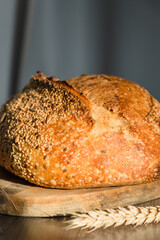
{"x": 89, "y": 131}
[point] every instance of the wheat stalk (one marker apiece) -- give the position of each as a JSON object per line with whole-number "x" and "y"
{"x": 121, "y": 215}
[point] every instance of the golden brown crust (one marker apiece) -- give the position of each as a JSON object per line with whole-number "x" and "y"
{"x": 90, "y": 131}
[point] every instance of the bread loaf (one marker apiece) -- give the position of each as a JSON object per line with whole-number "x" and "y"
{"x": 89, "y": 131}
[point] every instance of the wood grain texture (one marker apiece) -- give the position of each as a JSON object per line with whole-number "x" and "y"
{"x": 30, "y": 200}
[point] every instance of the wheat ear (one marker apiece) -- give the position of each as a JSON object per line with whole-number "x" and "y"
{"x": 121, "y": 215}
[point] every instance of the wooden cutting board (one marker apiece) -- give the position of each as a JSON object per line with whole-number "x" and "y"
{"x": 30, "y": 200}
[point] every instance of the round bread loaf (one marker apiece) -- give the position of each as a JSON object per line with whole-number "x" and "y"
{"x": 89, "y": 131}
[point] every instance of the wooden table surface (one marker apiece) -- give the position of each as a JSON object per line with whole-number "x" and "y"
{"x": 18, "y": 228}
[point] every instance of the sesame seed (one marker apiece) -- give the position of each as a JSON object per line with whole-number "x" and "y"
{"x": 89, "y": 179}
{"x": 19, "y": 125}
{"x": 17, "y": 138}
{"x": 53, "y": 182}
{"x": 33, "y": 109}
{"x": 57, "y": 165}
{"x": 3, "y": 117}
{"x": 41, "y": 178}
{"x": 155, "y": 170}
{"x": 53, "y": 78}
{"x": 48, "y": 119}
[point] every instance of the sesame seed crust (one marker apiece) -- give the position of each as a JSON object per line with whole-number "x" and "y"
{"x": 89, "y": 131}
{"x": 38, "y": 122}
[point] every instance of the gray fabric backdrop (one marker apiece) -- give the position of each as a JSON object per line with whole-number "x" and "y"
{"x": 69, "y": 37}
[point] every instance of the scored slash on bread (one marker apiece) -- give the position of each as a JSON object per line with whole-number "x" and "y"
{"x": 89, "y": 131}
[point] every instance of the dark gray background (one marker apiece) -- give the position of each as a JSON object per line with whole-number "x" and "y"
{"x": 69, "y": 37}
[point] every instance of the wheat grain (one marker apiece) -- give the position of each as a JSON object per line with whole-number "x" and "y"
{"x": 130, "y": 215}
